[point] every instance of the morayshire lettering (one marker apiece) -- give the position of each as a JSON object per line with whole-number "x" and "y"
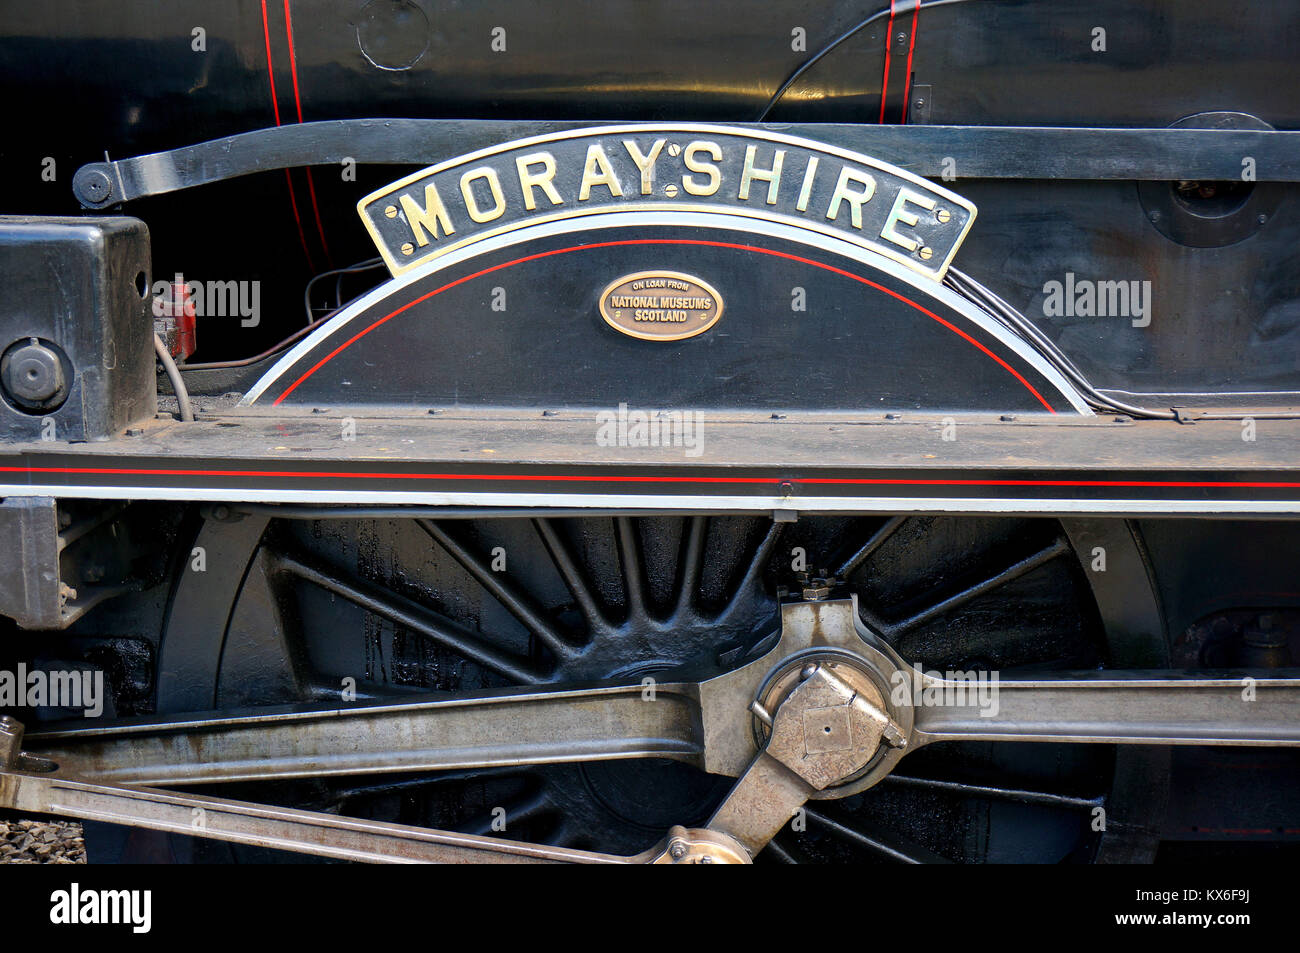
{"x": 715, "y": 169}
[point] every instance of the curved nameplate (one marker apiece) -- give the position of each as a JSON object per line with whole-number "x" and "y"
{"x": 811, "y": 324}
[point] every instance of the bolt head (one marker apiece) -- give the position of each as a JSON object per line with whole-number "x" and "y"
{"x": 95, "y": 185}
{"x": 32, "y": 375}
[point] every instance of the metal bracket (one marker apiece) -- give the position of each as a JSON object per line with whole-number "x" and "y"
{"x": 988, "y": 152}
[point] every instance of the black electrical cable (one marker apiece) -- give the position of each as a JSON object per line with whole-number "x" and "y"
{"x": 368, "y": 265}
{"x": 1015, "y": 321}
{"x": 902, "y": 8}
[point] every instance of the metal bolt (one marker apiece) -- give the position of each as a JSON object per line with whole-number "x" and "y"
{"x": 926, "y": 253}
{"x": 1154, "y": 216}
{"x": 808, "y": 671}
{"x": 817, "y": 590}
{"x": 33, "y": 374}
{"x": 943, "y": 215}
{"x": 408, "y": 248}
{"x": 1262, "y": 219}
{"x": 11, "y": 741}
{"x": 391, "y": 211}
{"x": 677, "y": 850}
{"x": 96, "y": 185}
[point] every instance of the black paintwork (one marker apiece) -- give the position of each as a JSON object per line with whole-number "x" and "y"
{"x": 530, "y": 335}
{"x": 81, "y": 79}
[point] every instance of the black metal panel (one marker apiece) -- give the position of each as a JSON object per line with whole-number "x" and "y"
{"x": 802, "y": 330}
{"x": 1221, "y": 319}
{"x": 75, "y": 293}
{"x": 128, "y": 76}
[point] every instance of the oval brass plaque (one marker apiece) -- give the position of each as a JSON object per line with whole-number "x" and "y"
{"x": 660, "y": 305}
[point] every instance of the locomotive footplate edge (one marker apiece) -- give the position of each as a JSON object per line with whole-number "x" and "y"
{"x": 798, "y": 464}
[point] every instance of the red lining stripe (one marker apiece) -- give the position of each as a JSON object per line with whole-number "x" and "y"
{"x": 665, "y": 241}
{"x": 293, "y": 63}
{"x": 270, "y": 71}
{"x": 302, "y": 234}
{"x": 889, "y": 41}
{"x": 275, "y": 107}
{"x": 297, "y": 100}
{"x": 623, "y": 478}
{"x": 320, "y": 229}
{"x": 907, "y": 77}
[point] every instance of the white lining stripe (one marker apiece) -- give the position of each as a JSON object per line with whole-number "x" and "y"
{"x": 807, "y": 505}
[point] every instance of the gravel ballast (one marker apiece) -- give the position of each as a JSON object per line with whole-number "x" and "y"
{"x": 41, "y": 842}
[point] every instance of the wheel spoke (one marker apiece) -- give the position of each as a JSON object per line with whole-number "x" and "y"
{"x": 567, "y": 566}
{"x": 874, "y": 542}
{"x": 776, "y": 850}
{"x": 885, "y": 843}
{"x": 516, "y": 603}
{"x": 416, "y": 617}
{"x": 1056, "y": 548}
{"x": 692, "y": 563}
{"x": 629, "y": 552}
{"x": 1043, "y": 798}
{"x": 744, "y": 590}
{"x": 380, "y": 787}
{"x": 517, "y": 811}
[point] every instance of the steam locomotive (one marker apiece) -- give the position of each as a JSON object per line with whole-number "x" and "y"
{"x": 651, "y": 432}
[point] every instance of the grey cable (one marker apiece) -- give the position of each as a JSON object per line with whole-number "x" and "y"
{"x": 174, "y": 375}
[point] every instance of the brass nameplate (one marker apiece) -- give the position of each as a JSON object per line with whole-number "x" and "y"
{"x": 726, "y": 170}
{"x": 660, "y": 305}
